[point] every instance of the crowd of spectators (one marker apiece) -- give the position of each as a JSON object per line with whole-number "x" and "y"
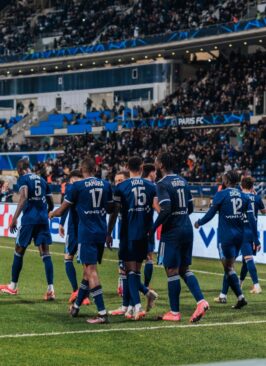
{"x": 201, "y": 154}
{"x": 77, "y": 22}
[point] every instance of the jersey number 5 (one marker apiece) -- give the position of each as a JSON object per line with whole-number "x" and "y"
{"x": 140, "y": 196}
{"x": 38, "y": 188}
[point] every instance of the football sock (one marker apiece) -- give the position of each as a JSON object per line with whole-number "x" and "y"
{"x": 134, "y": 284}
{"x": 97, "y": 294}
{"x": 142, "y": 288}
{"x": 16, "y": 267}
{"x": 71, "y": 273}
{"x": 234, "y": 283}
{"x": 126, "y": 294}
{"x": 244, "y": 271}
{"x": 252, "y": 270}
{"x": 49, "y": 269}
{"x": 193, "y": 285}
{"x": 148, "y": 270}
{"x": 225, "y": 286}
{"x": 174, "y": 289}
{"x": 82, "y": 293}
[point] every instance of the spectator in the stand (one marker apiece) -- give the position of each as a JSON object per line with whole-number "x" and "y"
{"x": 6, "y": 194}
{"x": 88, "y": 104}
{"x": 31, "y": 106}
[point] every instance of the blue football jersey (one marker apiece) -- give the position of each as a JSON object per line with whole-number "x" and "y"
{"x": 232, "y": 205}
{"x": 135, "y": 196}
{"x": 256, "y": 204}
{"x": 174, "y": 190}
{"x": 91, "y": 197}
{"x": 73, "y": 218}
{"x": 35, "y": 209}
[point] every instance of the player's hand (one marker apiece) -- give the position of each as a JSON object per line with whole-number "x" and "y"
{"x": 61, "y": 231}
{"x": 13, "y": 226}
{"x": 51, "y": 215}
{"x": 257, "y": 247}
{"x": 196, "y": 225}
{"x": 109, "y": 241}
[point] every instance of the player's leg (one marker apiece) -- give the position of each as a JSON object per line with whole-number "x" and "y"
{"x": 230, "y": 253}
{"x": 24, "y": 237}
{"x": 243, "y": 272}
{"x": 148, "y": 268}
{"x": 222, "y": 298}
{"x": 247, "y": 251}
{"x": 71, "y": 275}
{"x": 151, "y": 295}
{"x": 169, "y": 257}
{"x": 49, "y": 271}
{"x": 132, "y": 269}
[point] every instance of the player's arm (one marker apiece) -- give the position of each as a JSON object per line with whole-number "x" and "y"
{"x": 60, "y": 210}
{"x": 22, "y": 200}
{"x": 62, "y": 223}
{"x": 211, "y": 212}
{"x": 156, "y": 205}
{"x": 164, "y": 203}
{"x": 114, "y": 202}
{"x": 50, "y": 202}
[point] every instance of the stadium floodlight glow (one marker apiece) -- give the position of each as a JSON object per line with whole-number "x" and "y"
{"x": 159, "y": 55}
{"x": 245, "y": 43}
{"x": 106, "y": 61}
{"x": 69, "y": 66}
{"x": 119, "y": 60}
{"x": 132, "y": 58}
{"x": 146, "y": 56}
{"x": 260, "y": 40}
{"x": 20, "y": 71}
{"x": 8, "y": 72}
{"x": 230, "y": 45}
{"x": 201, "y": 50}
{"x": 84, "y": 20}
{"x": 215, "y": 47}
{"x": 44, "y": 68}
{"x": 31, "y": 70}
{"x": 80, "y": 65}
{"x": 94, "y": 63}
{"x": 56, "y": 67}
{"x": 187, "y": 51}
{"x": 173, "y": 53}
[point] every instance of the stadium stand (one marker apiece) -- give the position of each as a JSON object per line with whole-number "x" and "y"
{"x": 73, "y": 23}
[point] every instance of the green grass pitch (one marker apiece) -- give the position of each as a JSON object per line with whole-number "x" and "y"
{"x": 148, "y": 342}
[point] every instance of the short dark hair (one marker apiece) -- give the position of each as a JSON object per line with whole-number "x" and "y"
{"x": 23, "y": 164}
{"x": 147, "y": 169}
{"x": 232, "y": 177}
{"x": 125, "y": 173}
{"x": 88, "y": 165}
{"x": 247, "y": 182}
{"x": 167, "y": 160}
{"x": 75, "y": 173}
{"x": 134, "y": 164}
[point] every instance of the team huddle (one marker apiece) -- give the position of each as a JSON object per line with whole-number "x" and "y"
{"x": 133, "y": 199}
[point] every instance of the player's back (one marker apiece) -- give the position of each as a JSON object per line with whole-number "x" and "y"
{"x": 91, "y": 197}
{"x": 136, "y": 197}
{"x": 174, "y": 189}
{"x": 73, "y": 218}
{"x": 232, "y": 205}
{"x": 256, "y": 205}
{"x": 35, "y": 209}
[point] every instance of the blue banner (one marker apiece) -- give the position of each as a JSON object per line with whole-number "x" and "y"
{"x": 8, "y": 161}
{"x": 212, "y": 30}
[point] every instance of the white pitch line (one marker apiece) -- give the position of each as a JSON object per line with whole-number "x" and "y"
{"x": 114, "y": 260}
{"x": 93, "y": 331}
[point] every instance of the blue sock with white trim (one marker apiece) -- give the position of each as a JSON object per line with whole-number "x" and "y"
{"x": 244, "y": 271}
{"x": 16, "y": 266}
{"x": 133, "y": 284}
{"x": 71, "y": 273}
{"x": 97, "y": 294}
{"x": 193, "y": 285}
{"x": 82, "y": 293}
{"x": 174, "y": 289}
{"x": 225, "y": 286}
{"x": 142, "y": 288}
{"x": 126, "y": 294}
{"x": 252, "y": 270}
{"x": 234, "y": 283}
{"x": 148, "y": 270}
{"x": 49, "y": 269}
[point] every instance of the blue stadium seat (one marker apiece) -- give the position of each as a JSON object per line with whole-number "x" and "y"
{"x": 2, "y": 130}
{"x": 111, "y": 126}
